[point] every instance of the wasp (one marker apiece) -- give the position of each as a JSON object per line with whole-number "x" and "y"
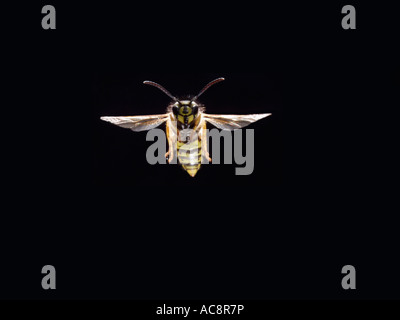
{"x": 186, "y": 126}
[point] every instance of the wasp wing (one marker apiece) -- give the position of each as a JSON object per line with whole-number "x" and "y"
{"x": 233, "y": 121}
{"x": 138, "y": 123}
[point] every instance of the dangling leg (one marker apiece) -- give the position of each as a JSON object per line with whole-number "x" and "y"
{"x": 170, "y": 152}
{"x": 204, "y": 145}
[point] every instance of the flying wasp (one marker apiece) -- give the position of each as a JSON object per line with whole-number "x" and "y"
{"x": 186, "y": 126}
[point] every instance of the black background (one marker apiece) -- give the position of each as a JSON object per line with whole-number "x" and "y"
{"x": 84, "y": 199}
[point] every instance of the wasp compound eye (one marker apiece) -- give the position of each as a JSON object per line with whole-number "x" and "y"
{"x": 175, "y": 110}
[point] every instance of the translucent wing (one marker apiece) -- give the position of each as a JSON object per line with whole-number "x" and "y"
{"x": 233, "y": 122}
{"x": 138, "y": 123}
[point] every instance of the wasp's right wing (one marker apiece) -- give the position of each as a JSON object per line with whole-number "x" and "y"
{"x": 138, "y": 123}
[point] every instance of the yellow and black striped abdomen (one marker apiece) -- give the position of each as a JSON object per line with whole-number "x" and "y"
{"x": 189, "y": 155}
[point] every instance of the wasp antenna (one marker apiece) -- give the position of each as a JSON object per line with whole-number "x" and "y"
{"x": 159, "y": 86}
{"x": 208, "y": 86}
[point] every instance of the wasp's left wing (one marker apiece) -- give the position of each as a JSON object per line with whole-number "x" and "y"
{"x": 233, "y": 122}
{"x": 138, "y": 123}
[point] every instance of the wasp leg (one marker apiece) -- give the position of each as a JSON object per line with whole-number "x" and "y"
{"x": 170, "y": 158}
{"x": 204, "y": 145}
{"x": 170, "y": 152}
{"x": 207, "y": 156}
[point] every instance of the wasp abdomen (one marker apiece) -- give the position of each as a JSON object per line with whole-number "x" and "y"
{"x": 189, "y": 155}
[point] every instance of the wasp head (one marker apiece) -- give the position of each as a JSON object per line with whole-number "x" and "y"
{"x": 185, "y": 111}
